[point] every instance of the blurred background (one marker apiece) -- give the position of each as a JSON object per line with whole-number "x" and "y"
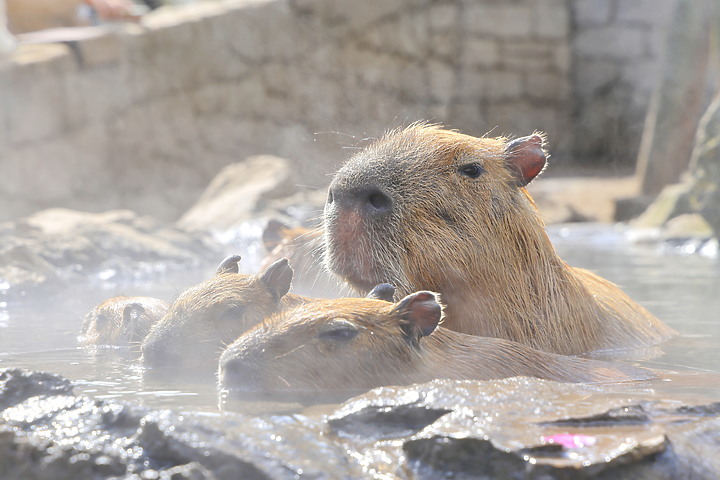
{"x": 143, "y": 109}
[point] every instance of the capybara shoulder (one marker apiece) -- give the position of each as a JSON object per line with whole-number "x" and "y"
{"x": 353, "y": 344}
{"x": 425, "y": 208}
{"x": 121, "y": 320}
{"x": 209, "y": 316}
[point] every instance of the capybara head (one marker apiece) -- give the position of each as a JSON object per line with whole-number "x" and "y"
{"x": 353, "y": 344}
{"x": 121, "y": 320}
{"x": 342, "y": 344}
{"x": 207, "y": 317}
{"x": 418, "y": 206}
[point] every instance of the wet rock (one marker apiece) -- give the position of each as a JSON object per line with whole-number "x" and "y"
{"x": 698, "y": 192}
{"x": 60, "y": 245}
{"x": 515, "y": 428}
{"x": 522, "y": 428}
{"x": 631, "y": 415}
{"x": 66, "y": 436}
{"x": 704, "y": 168}
{"x": 243, "y": 198}
{"x": 687, "y": 226}
{"x": 17, "y": 385}
{"x": 695, "y": 446}
{"x": 670, "y": 203}
{"x": 382, "y": 422}
{"x": 239, "y": 192}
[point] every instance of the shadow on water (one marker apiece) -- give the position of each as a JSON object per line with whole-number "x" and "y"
{"x": 681, "y": 290}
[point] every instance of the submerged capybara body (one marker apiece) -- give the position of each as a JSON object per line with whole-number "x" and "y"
{"x": 353, "y": 344}
{"x": 207, "y": 317}
{"x": 430, "y": 209}
{"x": 121, "y": 320}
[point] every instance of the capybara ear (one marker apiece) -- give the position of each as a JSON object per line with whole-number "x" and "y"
{"x": 278, "y": 277}
{"x": 382, "y": 291}
{"x": 526, "y": 158}
{"x": 229, "y": 265}
{"x": 421, "y": 311}
{"x": 132, "y": 312}
{"x": 273, "y": 234}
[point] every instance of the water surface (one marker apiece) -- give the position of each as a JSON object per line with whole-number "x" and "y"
{"x": 682, "y": 290}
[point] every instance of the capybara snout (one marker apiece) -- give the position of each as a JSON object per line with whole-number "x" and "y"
{"x": 369, "y": 200}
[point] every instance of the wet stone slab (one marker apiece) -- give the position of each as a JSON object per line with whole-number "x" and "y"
{"x": 514, "y": 428}
{"x": 63, "y": 247}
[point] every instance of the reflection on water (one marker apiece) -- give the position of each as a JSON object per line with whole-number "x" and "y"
{"x": 684, "y": 291}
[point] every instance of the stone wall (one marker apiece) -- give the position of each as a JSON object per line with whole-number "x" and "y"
{"x": 617, "y": 51}
{"x": 143, "y": 116}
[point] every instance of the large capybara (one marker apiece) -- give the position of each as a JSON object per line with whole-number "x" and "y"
{"x": 209, "y": 316}
{"x": 425, "y": 208}
{"x": 353, "y": 344}
{"x": 121, "y": 321}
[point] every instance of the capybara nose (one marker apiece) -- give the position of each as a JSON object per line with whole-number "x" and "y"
{"x": 370, "y": 201}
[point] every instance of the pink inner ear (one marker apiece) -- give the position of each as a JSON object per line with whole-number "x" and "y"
{"x": 526, "y": 158}
{"x": 423, "y": 310}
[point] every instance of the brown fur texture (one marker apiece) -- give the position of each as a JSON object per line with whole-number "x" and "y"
{"x": 121, "y": 320}
{"x": 303, "y": 249}
{"x": 352, "y": 344}
{"x": 428, "y": 208}
{"x": 209, "y": 316}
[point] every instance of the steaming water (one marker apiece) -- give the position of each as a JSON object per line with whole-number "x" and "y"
{"x": 683, "y": 290}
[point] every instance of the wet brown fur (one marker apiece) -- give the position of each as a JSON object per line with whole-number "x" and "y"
{"x": 479, "y": 242}
{"x": 121, "y": 320}
{"x": 209, "y": 316}
{"x": 303, "y": 249}
{"x": 288, "y": 352}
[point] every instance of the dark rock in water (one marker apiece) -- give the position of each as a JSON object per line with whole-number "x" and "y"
{"x": 514, "y": 428}
{"x": 695, "y": 446}
{"x": 525, "y": 428}
{"x": 385, "y": 422}
{"x": 65, "y": 436}
{"x": 17, "y": 385}
{"x": 633, "y": 414}
{"x": 60, "y": 245}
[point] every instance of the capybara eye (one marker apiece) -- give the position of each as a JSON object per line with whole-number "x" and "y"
{"x": 234, "y": 312}
{"x": 471, "y": 170}
{"x": 338, "y": 330}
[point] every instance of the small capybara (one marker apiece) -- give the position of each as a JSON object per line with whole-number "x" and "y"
{"x": 303, "y": 249}
{"x": 209, "y": 316}
{"x": 121, "y": 321}
{"x": 425, "y": 208}
{"x": 357, "y": 344}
